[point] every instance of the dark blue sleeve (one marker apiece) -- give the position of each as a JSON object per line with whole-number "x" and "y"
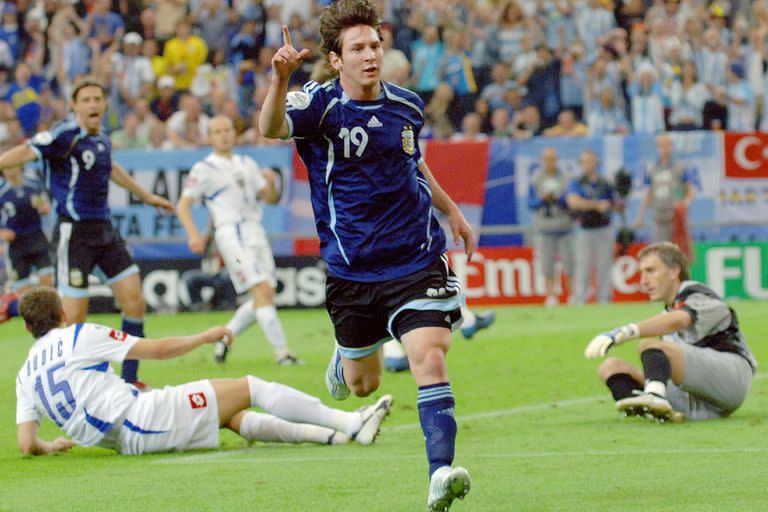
{"x": 574, "y": 188}
{"x": 304, "y": 110}
{"x": 55, "y": 143}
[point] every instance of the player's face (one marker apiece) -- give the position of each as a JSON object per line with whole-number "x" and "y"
{"x": 89, "y": 107}
{"x": 222, "y": 135}
{"x": 657, "y": 279}
{"x": 361, "y": 54}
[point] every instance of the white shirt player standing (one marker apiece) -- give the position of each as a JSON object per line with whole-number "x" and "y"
{"x": 232, "y": 187}
{"x": 68, "y": 378}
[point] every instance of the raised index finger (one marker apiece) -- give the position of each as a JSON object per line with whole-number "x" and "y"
{"x": 286, "y": 36}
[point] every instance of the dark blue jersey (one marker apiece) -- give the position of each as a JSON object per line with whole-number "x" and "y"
{"x": 76, "y": 169}
{"x": 16, "y": 210}
{"x": 372, "y": 204}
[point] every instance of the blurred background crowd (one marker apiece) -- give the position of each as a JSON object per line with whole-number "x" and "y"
{"x": 501, "y": 68}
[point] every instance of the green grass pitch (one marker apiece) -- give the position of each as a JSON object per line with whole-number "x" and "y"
{"x": 536, "y": 429}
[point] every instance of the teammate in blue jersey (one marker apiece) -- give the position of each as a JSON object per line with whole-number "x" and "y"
{"x": 77, "y": 167}
{"x": 372, "y": 195}
{"x": 22, "y": 202}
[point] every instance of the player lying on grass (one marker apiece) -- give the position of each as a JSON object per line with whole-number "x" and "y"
{"x": 67, "y": 377}
{"x": 700, "y": 368}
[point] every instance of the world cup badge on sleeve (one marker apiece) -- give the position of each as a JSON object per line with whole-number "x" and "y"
{"x": 409, "y": 141}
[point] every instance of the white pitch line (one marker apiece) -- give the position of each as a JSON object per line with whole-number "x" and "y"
{"x": 256, "y": 455}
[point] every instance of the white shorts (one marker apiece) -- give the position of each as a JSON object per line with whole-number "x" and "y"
{"x": 247, "y": 254}
{"x": 174, "y": 418}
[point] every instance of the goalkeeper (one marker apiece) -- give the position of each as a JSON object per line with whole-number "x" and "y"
{"x": 696, "y": 364}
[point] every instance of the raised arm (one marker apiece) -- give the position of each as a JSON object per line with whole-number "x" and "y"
{"x": 272, "y": 122}
{"x": 16, "y": 156}
{"x": 125, "y": 180}
{"x": 31, "y": 444}
{"x": 175, "y": 346}
{"x": 460, "y": 228}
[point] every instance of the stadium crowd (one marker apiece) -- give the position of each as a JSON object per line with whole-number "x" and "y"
{"x": 502, "y": 68}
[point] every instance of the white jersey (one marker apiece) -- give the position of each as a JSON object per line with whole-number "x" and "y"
{"x": 67, "y": 377}
{"x": 229, "y": 187}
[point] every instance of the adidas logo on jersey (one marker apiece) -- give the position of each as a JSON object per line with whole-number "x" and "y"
{"x": 374, "y": 123}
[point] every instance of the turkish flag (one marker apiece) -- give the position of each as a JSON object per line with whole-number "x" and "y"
{"x": 746, "y": 155}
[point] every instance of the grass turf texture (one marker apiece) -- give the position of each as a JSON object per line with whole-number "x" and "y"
{"x": 536, "y": 429}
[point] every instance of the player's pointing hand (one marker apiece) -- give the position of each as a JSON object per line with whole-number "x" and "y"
{"x": 287, "y": 59}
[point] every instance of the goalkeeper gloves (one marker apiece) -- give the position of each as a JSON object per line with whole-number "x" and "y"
{"x": 602, "y": 342}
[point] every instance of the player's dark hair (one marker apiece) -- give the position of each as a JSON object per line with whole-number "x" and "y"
{"x": 344, "y": 14}
{"x": 41, "y": 310}
{"x": 669, "y": 254}
{"x": 88, "y": 81}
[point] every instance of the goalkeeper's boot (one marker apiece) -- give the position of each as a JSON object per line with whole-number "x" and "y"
{"x": 373, "y": 416}
{"x": 446, "y": 485}
{"x": 334, "y": 377}
{"x": 651, "y": 406}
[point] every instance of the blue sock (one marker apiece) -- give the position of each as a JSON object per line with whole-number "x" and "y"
{"x": 13, "y": 308}
{"x": 134, "y": 327}
{"x": 436, "y": 414}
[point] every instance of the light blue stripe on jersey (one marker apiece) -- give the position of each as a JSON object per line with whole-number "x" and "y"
{"x": 425, "y": 185}
{"x": 133, "y": 428}
{"x": 70, "y": 205}
{"x": 446, "y": 305}
{"x": 332, "y": 226}
{"x": 100, "y": 425}
{"x": 102, "y": 367}
{"x": 78, "y": 327}
{"x": 391, "y": 95}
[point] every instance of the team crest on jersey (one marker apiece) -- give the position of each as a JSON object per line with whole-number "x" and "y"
{"x": 75, "y": 278}
{"x": 409, "y": 141}
{"x": 117, "y": 335}
{"x": 298, "y": 99}
{"x": 197, "y": 400}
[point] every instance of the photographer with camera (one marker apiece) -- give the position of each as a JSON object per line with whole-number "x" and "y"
{"x": 592, "y": 200}
{"x": 552, "y": 223}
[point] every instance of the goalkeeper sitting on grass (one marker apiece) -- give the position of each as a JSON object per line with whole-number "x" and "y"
{"x": 697, "y": 364}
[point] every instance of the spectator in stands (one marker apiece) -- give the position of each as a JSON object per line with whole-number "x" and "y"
{"x": 573, "y": 79}
{"x": 471, "y": 129}
{"x": 483, "y": 33}
{"x": 135, "y": 77}
{"x": 436, "y": 112}
{"x": 426, "y": 55}
{"x": 105, "y": 26}
{"x": 495, "y": 92}
{"x": 168, "y": 15}
{"x": 712, "y": 60}
{"x": 605, "y": 117}
{"x": 246, "y": 44}
{"x": 687, "y": 97}
{"x": 558, "y": 18}
{"x": 739, "y": 99}
{"x": 567, "y": 126}
{"x": 551, "y": 223}
{"x": 527, "y": 123}
{"x": 24, "y": 95}
{"x": 646, "y": 101}
{"x": 148, "y": 22}
{"x": 167, "y": 101}
{"x": 9, "y": 31}
{"x": 542, "y": 80}
{"x": 70, "y": 55}
{"x": 527, "y": 56}
{"x": 144, "y": 116}
{"x": 184, "y": 53}
{"x": 513, "y": 27}
{"x": 395, "y": 66}
{"x": 591, "y": 200}
{"x": 213, "y": 20}
{"x": 593, "y": 21}
{"x": 500, "y": 124}
{"x": 157, "y": 137}
{"x": 159, "y": 64}
{"x": 668, "y": 189}
{"x": 188, "y": 128}
{"x": 128, "y": 136}
{"x": 456, "y": 71}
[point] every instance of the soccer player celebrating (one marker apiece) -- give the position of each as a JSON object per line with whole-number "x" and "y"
{"x": 78, "y": 166}
{"x": 67, "y": 377}
{"x": 701, "y": 368}
{"x": 372, "y": 195}
{"x": 233, "y": 186}
{"x": 22, "y": 202}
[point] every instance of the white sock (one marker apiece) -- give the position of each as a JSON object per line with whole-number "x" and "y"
{"x": 292, "y": 405}
{"x": 257, "y": 426}
{"x": 273, "y": 329}
{"x": 243, "y": 318}
{"x": 656, "y": 387}
{"x": 468, "y": 316}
